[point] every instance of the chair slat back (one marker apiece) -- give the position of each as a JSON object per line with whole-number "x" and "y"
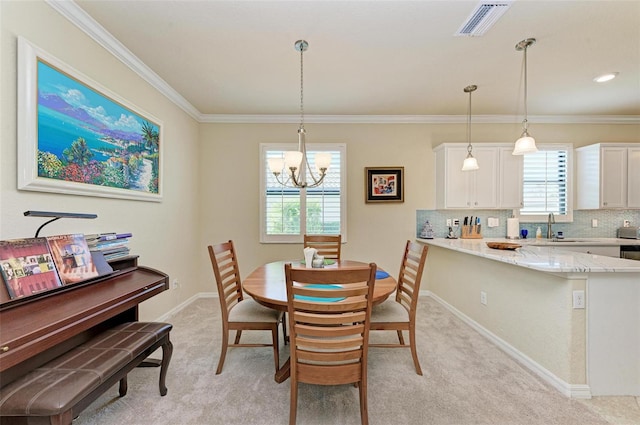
{"x": 327, "y": 245}
{"x": 410, "y": 275}
{"x": 227, "y": 274}
{"x": 329, "y": 313}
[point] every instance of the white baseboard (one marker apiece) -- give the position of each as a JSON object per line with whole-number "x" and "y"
{"x": 569, "y": 390}
{"x": 185, "y": 304}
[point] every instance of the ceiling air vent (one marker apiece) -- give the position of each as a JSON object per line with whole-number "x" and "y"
{"x": 482, "y": 18}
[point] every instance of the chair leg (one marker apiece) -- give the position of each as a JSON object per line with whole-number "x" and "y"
{"x": 284, "y": 329}
{"x": 294, "y": 402}
{"x": 414, "y": 350}
{"x": 223, "y": 350}
{"x": 276, "y": 350}
{"x": 238, "y": 333}
{"x": 400, "y": 337}
{"x": 364, "y": 410}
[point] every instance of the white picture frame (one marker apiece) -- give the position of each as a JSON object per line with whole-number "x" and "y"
{"x": 120, "y": 154}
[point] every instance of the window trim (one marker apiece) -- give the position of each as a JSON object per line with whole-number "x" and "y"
{"x": 539, "y": 218}
{"x": 264, "y": 147}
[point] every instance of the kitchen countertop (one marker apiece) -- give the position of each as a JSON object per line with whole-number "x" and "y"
{"x": 546, "y": 258}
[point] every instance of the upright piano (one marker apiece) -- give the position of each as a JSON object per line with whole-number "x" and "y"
{"x": 40, "y": 327}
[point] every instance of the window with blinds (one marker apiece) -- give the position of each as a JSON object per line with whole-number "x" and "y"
{"x": 546, "y": 186}
{"x": 288, "y": 213}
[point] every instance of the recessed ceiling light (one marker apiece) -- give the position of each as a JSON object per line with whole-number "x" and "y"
{"x": 605, "y": 77}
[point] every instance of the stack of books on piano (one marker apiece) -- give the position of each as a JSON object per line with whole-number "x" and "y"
{"x": 111, "y": 245}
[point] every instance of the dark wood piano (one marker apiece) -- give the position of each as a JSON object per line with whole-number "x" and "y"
{"x": 39, "y": 328}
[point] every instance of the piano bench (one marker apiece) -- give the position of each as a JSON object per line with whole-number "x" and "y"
{"x": 59, "y": 390}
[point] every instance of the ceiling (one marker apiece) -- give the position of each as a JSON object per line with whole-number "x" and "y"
{"x": 384, "y": 58}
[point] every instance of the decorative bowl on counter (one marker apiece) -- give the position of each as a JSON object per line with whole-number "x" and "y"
{"x": 503, "y": 245}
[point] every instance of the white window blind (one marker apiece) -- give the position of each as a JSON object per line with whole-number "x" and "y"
{"x": 546, "y": 187}
{"x": 289, "y": 213}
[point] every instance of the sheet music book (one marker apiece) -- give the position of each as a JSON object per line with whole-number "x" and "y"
{"x": 27, "y": 267}
{"x": 72, "y": 258}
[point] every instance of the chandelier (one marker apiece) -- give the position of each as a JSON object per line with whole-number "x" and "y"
{"x": 525, "y": 144}
{"x": 470, "y": 163}
{"x": 295, "y": 164}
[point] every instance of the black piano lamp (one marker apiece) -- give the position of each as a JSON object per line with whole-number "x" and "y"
{"x": 56, "y": 216}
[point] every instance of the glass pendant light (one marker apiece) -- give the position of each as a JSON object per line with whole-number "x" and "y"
{"x": 295, "y": 164}
{"x": 526, "y": 143}
{"x": 470, "y": 163}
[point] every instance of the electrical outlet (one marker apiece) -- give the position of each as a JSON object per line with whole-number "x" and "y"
{"x": 448, "y": 222}
{"x": 175, "y": 284}
{"x": 626, "y": 223}
{"x": 578, "y": 299}
{"x": 483, "y": 298}
{"x": 594, "y": 222}
{"x": 456, "y": 222}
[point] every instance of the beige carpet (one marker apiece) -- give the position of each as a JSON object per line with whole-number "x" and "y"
{"x": 467, "y": 380}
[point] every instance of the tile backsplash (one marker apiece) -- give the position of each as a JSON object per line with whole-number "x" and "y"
{"x": 608, "y": 222}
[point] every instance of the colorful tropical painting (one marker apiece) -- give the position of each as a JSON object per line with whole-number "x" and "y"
{"x": 86, "y": 137}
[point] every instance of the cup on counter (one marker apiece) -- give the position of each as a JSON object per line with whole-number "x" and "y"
{"x": 524, "y": 233}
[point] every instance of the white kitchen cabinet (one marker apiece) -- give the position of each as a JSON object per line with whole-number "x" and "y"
{"x": 497, "y": 184}
{"x": 633, "y": 177}
{"x": 465, "y": 189}
{"x": 510, "y": 182}
{"x": 607, "y": 176}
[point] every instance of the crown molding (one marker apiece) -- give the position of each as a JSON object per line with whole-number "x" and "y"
{"x": 417, "y": 119}
{"x": 77, "y": 16}
{"x": 74, "y": 13}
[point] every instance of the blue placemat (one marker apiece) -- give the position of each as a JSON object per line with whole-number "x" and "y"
{"x": 318, "y": 299}
{"x": 381, "y": 274}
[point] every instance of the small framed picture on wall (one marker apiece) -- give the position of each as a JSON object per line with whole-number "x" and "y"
{"x": 384, "y": 184}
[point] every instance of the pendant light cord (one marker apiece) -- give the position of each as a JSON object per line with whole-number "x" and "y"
{"x": 301, "y": 89}
{"x": 526, "y": 114}
{"x": 469, "y": 148}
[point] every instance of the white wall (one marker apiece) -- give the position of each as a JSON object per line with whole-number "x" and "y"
{"x": 163, "y": 232}
{"x": 375, "y": 232}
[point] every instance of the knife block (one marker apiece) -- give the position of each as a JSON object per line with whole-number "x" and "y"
{"x": 471, "y": 232}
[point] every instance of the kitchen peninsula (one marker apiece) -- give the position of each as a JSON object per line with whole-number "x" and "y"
{"x": 572, "y": 318}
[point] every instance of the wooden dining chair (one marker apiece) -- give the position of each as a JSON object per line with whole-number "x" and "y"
{"x": 329, "y": 312}
{"x": 399, "y": 314}
{"x": 327, "y": 245}
{"x": 239, "y": 313}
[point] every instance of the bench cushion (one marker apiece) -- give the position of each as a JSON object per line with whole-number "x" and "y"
{"x": 61, "y": 383}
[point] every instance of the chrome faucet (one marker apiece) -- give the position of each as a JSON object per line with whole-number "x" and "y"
{"x": 551, "y": 220}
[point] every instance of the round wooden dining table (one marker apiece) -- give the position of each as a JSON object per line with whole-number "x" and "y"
{"x": 267, "y": 286}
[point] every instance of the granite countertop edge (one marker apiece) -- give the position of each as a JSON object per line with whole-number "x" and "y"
{"x": 545, "y": 257}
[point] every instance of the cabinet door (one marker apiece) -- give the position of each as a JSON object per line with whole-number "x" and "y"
{"x": 457, "y": 182}
{"x": 613, "y": 177}
{"x": 633, "y": 178}
{"x": 510, "y": 181}
{"x": 484, "y": 181}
